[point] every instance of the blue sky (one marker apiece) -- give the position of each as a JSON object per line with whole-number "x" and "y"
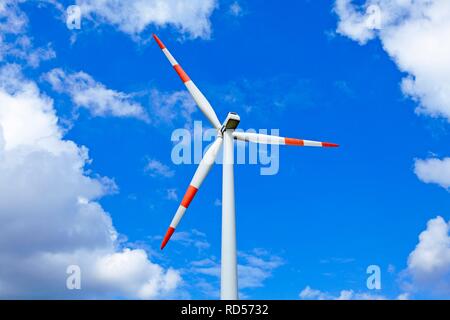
{"x": 327, "y": 215}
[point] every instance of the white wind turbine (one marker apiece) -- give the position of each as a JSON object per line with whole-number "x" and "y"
{"x": 225, "y": 135}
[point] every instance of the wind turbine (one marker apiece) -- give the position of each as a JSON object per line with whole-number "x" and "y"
{"x": 226, "y": 136}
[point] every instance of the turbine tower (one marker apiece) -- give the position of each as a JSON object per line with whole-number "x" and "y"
{"x": 226, "y": 136}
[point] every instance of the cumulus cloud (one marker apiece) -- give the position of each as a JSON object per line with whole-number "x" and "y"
{"x": 135, "y": 16}
{"x": 167, "y": 107}
{"x": 256, "y": 268}
{"x": 194, "y": 238}
{"x": 156, "y": 168}
{"x": 14, "y": 43}
{"x": 353, "y": 23}
{"x": 434, "y": 170}
{"x": 428, "y": 269}
{"x": 253, "y": 268}
{"x": 235, "y": 9}
{"x": 131, "y": 271}
{"x": 87, "y": 93}
{"x": 50, "y": 216}
{"x": 429, "y": 263}
{"x": 13, "y": 20}
{"x": 415, "y": 35}
{"x": 309, "y": 293}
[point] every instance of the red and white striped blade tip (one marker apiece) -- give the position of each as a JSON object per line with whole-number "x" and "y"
{"x": 159, "y": 42}
{"x": 166, "y": 239}
{"x": 329, "y": 145}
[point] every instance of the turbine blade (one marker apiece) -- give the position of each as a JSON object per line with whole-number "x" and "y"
{"x": 198, "y": 96}
{"x": 268, "y": 139}
{"x": 200, "y": 174}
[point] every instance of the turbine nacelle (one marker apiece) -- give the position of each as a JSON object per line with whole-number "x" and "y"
{"x": 231, "y": 122}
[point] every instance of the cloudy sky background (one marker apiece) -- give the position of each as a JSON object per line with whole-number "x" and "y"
{"x": 86, "y": 176}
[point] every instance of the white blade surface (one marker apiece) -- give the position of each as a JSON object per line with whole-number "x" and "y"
{"x": 200, "y": 174}
{"x": 268, "y": 139}
{"x": 198, "y": 96}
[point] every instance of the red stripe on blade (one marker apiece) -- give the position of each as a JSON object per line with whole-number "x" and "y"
{"x": 188, "y": 196}
{"x": 159, "y": 42}
{"x": 169, "y": 233}
{"x": 329, "y": 145}
{"x": 293, "y": 142}
{"x": 184, "y": 77}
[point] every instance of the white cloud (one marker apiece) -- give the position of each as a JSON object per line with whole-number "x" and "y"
{"x": 403, "y": 296}
{"x": 168, "y": 107}
{"x": 415, "y": 35}
{"x": 13, "y": 40}
{"x": 253, "y": 269}
{"x": 256, "y": 268}
{"x": 156, "y": 168}
{"x": 13, "y": 20}
{"x": 131, "y": 271}
{"x": 352, "y": 23}
{"x": 209, "y": 267}
{"x": 236, "y": 9}
{"x": 194, "y": 238}
{"x": 49, "y": 214}
{"x": 434, "y": 170}
{"x": 135, "y": 16}
{"x": 309, "y": 293}
{"x": 428, "y": 269}
{"x": 172, "y": 194}
{"x": 429, "y": 263}
{"x": 87, "y": 93}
